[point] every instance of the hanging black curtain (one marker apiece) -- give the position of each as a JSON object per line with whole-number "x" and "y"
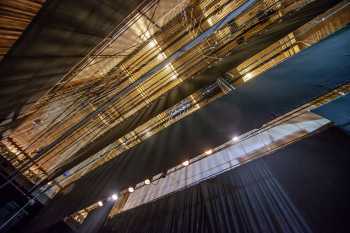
{"x": 300, "y": 188}
{"x": 247, "y": 199}
{"x": 300, "y": 79}
{"x": 337, "y": 111}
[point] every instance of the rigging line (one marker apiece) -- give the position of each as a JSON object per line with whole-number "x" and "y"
{"x": 51, "y": 125}
{"x": 136, "y": 45}
{"x": 135, "y": 84}
{"x": 184, "y": 34}
{"x": 76, "y": 141}
{"x": 85, "y": 91}
{"x": 40, "y": 136}
{"x": 152, "y": 16}
{"x": 160, "y": 124}
{"x": 154, "y": 11}
{"x": 113, "y": 35}
{"x": 134, "y": 137}
{"x": 163, "y": 119}
{"x": 272, "y": 57}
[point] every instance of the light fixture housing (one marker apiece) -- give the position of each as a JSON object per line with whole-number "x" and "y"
{"x": 209, "y": 152}
{"x": 114, "y": 197}
{"x": 131, "y": 189}
{"x": 186, "y": 163}
{"x": 147, "y": 181}
{"x": 100, "y": 203}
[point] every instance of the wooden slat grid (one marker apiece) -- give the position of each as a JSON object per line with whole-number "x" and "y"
{"x": 15, "y": 16}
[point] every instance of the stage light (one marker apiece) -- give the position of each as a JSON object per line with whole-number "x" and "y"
{"x": 247, "y": 77}
{"x": 186, "y": 163}
{"x": 100, "y": 203}
{"x": 114, "y": 197}
{"x": 147, "y": 181}
{"x": 235, "y": 139}
{"x": 131, "y": 189}
{"x": 208, "y": 152}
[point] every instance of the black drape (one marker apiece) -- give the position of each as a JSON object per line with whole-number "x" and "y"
{"x": 309, "y": 74}
{"x": 337, "y": 111}
{"x": 300, "y": 188}
{"x": 247, "y": 199}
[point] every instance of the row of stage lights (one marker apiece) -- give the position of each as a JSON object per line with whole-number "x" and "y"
{"x": 114, "y": 196}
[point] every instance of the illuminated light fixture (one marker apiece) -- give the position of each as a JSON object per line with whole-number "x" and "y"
{"x": 341, "y": 93}
{"x": 161, "y": 56}
{"x": 173, "y": 77}
{"x": 235, "y": 139}
{"x": 100, "y": 203}
{"x": 147, "y": 181}
{"x": 208, "y": 152}
{"x": 186, "y": 163}
{"x": 114, "y": 197}
{"x": 50, "y": 183}
{"x": 210, "y": 21}
{"x": 148, "y": 134}
{"x": 247, "y": 77}
{"x": 153, "y": 43}
{"x": 131, "y": 189}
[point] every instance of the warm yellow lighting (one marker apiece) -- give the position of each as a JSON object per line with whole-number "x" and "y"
{"x": 147, "y": 181}
{"x": 208, "y": 152}
{"x": 100, "y": 203}
{"x": 247, "y": 77}
{"x": 173, "y": 77}
{"x": 161, "y": 56}
{"x": 153, "y": 43}
{"x": 186, "y": 163}
{"x": 131, "y": 189}
{"x": 148, "y": 134}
